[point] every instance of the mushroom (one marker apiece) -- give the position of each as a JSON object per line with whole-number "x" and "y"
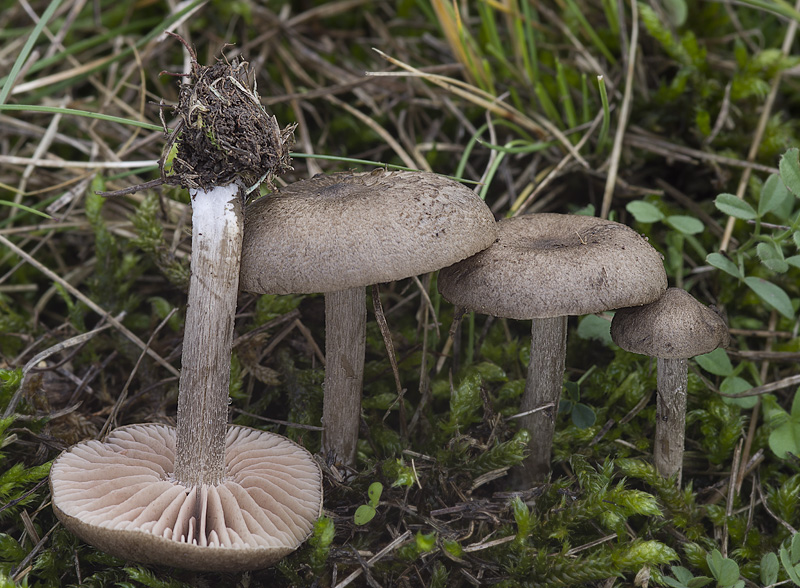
{"x": 546, "y": 267}
{"x": 671, "y": 329}
{"x": 336, "y": 234}
{"x": 203, "y": 495}
{"x": 122, "y": 496}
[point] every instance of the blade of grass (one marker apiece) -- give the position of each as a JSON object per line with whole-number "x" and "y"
{"x": 589, "y": 29}
{"x": 603, "y": 136}
{"x": 86, "y": 113}
{"x": 616, "y": 151}
{"x": 57, "y": 82}
{"x": 25, "y": 208}
{"x": 481, "y": 98}
{"x": 565, "y": 96}
{"x": 26, "y": 50}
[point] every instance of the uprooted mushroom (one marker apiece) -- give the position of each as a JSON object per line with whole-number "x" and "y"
{"x": 203, "y": 496}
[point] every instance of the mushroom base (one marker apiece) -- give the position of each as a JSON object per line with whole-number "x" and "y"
{"x": 120, "y": 496}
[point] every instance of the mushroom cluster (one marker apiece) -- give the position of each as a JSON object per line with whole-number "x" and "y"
{"x": 546, "y": 267}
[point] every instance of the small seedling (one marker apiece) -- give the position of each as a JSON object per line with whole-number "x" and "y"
{"x": 724, "y": 570}
{"x": 366, "y": 512}
{"x": 582, "y": 415}
{"x": 785, "y": 437}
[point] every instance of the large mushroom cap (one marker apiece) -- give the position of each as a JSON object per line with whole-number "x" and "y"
{"x": 550, "y": 265}
{"x": 118, "y": 495}
{"x": 674, "y": 327}
{"x": 340, "y": 231}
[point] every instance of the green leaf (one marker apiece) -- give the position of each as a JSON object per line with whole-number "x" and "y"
{"x": 719, "y": 261}
{"x": 791, "y": 571}
{"x": 717, "y": 362}
{"x": 785, "y": 438}
{"x": 688, "y": 225}
{"x": 725, "y": 570}
{"x": 773, "y": 195}
{"x": 737, "y": 385}
{"x": 769, "y": 569}
{"x": 364, "y": 514}
{"x": 677, "y": 11}
{"x": 796, "y": 239}
{"x": 795, "y": 548}
{"x": 699, "y": 582}
{"x": 735, "y": 207}
{"x": 375, "y": 490}
{"x": 592, "y": 326}
{"x": 771, "y": 256}
{"x": 796, "y": 415}
{"x": 790, "y": 170}
{"x": 681, "y": 574}
{"x": 583, "y": 416}
{"x": 772, "y": 294}
{"x": 644, "y": 212}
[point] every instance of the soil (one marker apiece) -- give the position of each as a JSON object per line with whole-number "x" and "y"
{"x": 224, "y": 132}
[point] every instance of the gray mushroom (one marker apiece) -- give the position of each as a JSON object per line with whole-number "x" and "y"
{"x": 546, "y": 267}
{"x": 672, "y": 329}
{"x": 203, "y": 495}
{"x": 336, "y": 234}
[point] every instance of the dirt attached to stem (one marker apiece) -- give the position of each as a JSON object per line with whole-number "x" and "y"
{"x": 224, "y": 133}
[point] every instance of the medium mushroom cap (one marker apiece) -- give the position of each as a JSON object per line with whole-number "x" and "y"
{"x": 119, "y": 496}
{"x": 674, "y": 327}
{"x": 340, "y": 231}
{"x": 550, "y": 265}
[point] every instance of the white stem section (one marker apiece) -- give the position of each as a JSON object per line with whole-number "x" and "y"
{"x": 345, "y": 341}
{"x": 217, "y": 228}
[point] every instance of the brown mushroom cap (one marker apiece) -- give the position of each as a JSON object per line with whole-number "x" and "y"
{"x": 340, "y": 231}
{"x": 118, "y": 495}
{"x": 550, "y": 265}
{"x": 674, "y": 327}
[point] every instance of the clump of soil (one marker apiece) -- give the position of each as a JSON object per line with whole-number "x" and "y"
{"x": 224, "y": 133}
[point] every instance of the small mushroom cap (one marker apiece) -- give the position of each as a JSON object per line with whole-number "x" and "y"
{"x": 340, "y": 231}
{"x": 550, "y": 265}
{"x": 674, "y": 327}
{"x": 119, "y": 496}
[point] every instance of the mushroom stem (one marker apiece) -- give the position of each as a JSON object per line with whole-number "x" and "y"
{"x": 205, "y": 374}
{"x": 670, "y": 416}
{"x": 542, "y": 387}
{"x": 346, "y": 331}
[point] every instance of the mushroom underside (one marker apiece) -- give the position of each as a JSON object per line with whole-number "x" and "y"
{"x": 119, "y": 495}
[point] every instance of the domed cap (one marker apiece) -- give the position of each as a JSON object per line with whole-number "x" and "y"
{"x": 550, "y": 265}
{"x": 341, "y": 231}
{"x": 118, "y": 495}
{"x": 674, "y": 327}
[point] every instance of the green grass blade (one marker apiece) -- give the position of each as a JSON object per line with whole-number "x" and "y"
{"x": 86, "y": 113}
{"x": 26, "y": 50}
{"x": 603, "y": 136}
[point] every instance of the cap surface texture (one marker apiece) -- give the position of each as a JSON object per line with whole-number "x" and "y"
{"x": 549, "y": 265}
{"x": 674, "y": 327}
{"x": 340, "y": 231}
{"x": 119, "y": 496}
